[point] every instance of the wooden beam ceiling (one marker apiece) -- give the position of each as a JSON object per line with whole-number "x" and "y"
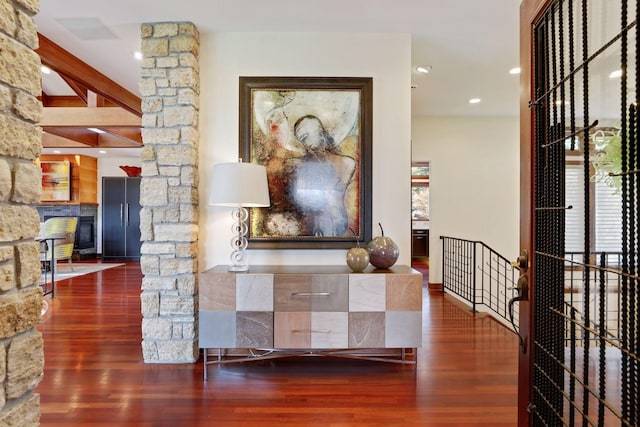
{"x": 99, "y": 103}
{"x": 81, "y": 92}
{"x": 80, "y": 135}
{"x": 89, "y": 117}
{"x": 67, "y": 65}
{"x": 50, "y": 140}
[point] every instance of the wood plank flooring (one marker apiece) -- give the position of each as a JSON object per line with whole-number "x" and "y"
{"x": 466, "y": 373}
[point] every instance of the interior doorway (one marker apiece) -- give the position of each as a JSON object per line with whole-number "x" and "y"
{"x": 420, "y": 215}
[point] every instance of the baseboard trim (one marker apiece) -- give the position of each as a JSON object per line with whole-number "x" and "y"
{"x": 435, "y": 286}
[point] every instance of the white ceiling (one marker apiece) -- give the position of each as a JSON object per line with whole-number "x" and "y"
{"x": 470, "y": 44}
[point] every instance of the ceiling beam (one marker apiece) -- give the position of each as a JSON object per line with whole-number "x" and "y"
{"x": 80, "y": 91}
{"x": 82, "y": 138}
{"x": 44, "y": 98}
{"x": 69, "y": 101}
{"x": 80, "y": 135}
{"x": 62, "y": 101}
{"x": 67, "y": 65}
{"x": 112, "y": 140}
{"x": 50, "y": 140}
{"x": 89, "y": 117}
{"x": 131, "y": 135}
{"x": 95, "y": 100}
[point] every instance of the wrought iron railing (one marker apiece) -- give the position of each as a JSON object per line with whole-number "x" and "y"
{"x": 604, "y": 297}
{"x": 487, "y": 281}
{"x": 481, "y": 276}
{"x": 593, "y": 314}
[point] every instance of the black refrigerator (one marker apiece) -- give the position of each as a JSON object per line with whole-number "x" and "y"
{"x": 121, "y": 218}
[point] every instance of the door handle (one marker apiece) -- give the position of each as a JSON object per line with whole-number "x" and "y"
{"x": 522, "y": 262}
{"x": 121, "y": 214}
{"x": 522, "y": 286}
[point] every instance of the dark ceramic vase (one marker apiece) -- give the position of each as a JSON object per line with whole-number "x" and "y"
{"x": 383, "y": 251}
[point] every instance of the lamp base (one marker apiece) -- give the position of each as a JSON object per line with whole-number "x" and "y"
{"x": 239, "y": 241}
{"x": 239, "y": 268}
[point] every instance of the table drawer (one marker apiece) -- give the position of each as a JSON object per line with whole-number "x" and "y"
{"x": 295, "y": 329}
{"x": 294, "y": 292}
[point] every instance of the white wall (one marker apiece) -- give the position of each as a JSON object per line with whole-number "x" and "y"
{"x": 474, "y": 182}
{"x": 110, "y": 166}
{"x": 385, "y": 57}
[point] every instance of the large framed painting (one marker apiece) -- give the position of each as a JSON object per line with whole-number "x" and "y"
{"x": 313, "y": 135}
{"x": 56, "y": 181}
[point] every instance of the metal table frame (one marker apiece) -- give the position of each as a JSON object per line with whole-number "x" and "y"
{"x": 272, "y": 353}
{"x": 50, "y": 246}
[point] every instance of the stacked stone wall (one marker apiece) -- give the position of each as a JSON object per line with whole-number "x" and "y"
{"x": 170, "y": 88}
{"x": 21, "y": 349}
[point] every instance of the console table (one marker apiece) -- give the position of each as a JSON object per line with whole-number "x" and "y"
{"x": 280, "y": 311}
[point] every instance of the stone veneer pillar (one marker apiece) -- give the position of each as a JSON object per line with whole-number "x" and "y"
{"x": 21, "y": 350}
{"x": 170, "y": 88}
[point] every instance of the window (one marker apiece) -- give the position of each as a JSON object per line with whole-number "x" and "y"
{"x": 574, "y": 217}
{"x": 420, "y": 191}
{"x": 608, "y": 219}
{"x": 605, "y": 210}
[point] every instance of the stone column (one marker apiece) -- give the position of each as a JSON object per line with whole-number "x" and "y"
{"x": 170, "y": 88}
{"x": 21, "y": 350}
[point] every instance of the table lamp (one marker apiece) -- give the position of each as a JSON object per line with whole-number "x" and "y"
{"x": 239, "y": 185}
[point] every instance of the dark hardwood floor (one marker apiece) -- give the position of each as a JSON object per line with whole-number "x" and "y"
{"x": 466, "y": 373}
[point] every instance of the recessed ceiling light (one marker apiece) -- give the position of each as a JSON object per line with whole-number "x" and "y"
{"x": 615, "y": 74}
{"x": 57, "y": 151}
{"x": 424, "y": 69}
{"x": 474, "y": 101}
{"x": 515, "y": 70}
{"x": 45, "y": 69}
{"x": 102, "y": 151}
{"x": 96, "y": 130}
{"x": 138, "y": 55}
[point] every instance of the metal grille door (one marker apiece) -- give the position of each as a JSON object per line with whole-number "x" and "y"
{"x": 586, "y": 180}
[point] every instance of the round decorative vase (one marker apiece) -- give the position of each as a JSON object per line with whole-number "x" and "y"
{"x": 357, "y": 259}
{"x": 383, "y": 251}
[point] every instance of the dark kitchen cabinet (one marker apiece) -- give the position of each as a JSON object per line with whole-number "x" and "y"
{"x": 121, "y": 218}
{"x": 420, "y": 244}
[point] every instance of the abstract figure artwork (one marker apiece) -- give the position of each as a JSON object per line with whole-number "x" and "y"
{"x": 313, "y": 136}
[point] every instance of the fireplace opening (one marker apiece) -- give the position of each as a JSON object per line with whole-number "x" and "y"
{"x": 85, "y": 233}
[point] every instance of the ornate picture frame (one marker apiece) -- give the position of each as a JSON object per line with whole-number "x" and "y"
{"x": 313, "y": 134}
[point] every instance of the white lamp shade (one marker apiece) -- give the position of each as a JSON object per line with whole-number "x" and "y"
{"x": 239, "y": 185}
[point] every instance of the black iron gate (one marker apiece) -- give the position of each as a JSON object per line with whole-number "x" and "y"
{"x": 585, "y": 349}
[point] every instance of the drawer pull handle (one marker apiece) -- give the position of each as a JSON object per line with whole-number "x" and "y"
{"x": 311, "y": 331}
{"x": 311, "y": 294}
